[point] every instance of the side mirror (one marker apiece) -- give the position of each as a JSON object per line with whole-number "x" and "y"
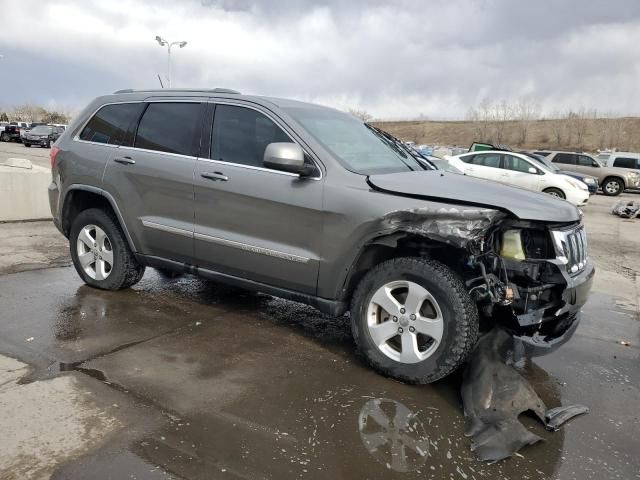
{"x": 533, "y": 170}
{"x": 286, "y": 157}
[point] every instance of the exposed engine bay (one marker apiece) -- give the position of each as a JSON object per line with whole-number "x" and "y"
{"x": 530, "y": 277}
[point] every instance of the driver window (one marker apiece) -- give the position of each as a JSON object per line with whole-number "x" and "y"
{"x": 585, "y": 161}
{"x": 517, "y": 164}
{"x": 240, "y": 135}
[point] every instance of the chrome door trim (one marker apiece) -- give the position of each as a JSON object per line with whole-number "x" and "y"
{"x": 167, "y": 228}
{"x": 251, "y": 167}
{"x": 251, "y": 248}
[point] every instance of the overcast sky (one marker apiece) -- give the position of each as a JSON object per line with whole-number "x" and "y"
{"x": 394, "y": 59}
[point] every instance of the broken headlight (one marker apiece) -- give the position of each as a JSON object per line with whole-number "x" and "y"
{"x": 525, "y": 243}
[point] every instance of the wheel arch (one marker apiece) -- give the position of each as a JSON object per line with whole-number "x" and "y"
{"x": 79, "y": 197}
{"x": 396, "y": 245}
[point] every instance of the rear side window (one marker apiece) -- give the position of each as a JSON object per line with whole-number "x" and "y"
{"x": 566, "y": 158}
{"x": 486, "y": 160}
{"x": 626, "y": 162}
{"x": 240, "y": 135}
{"x": 109, "y": 124}
{"x": 170, "y": 127}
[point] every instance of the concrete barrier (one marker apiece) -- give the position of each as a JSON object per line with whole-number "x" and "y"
{"x": 23, "y": 191}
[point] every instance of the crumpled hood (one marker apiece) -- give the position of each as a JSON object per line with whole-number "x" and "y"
{"x": 453, "y": 188}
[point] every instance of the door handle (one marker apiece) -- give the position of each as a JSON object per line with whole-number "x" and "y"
{"x": 215, "y": 176}
{"x": 124, "y": 160}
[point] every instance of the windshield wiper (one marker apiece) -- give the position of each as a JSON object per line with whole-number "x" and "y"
{"x": 399, "y": 146}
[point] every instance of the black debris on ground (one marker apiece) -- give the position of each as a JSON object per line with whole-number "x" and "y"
{"x": 494, "y": 394}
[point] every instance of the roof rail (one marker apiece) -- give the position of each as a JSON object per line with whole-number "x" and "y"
{"x": 225, "y": 90}
{"x": 214, "y": 90}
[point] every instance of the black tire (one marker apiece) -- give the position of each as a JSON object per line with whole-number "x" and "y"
{"x": 126, "y": 271}
{"x": 26, "y": 144}
{"x": 459, "y": 312}
{"x": 48, "y": 144}
{"x": 4, "y": 137}
{"x": 612, "y": 187}
{"x": 555, "y": 192}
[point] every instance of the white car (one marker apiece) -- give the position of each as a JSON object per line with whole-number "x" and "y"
{"x": 519, "y": 170}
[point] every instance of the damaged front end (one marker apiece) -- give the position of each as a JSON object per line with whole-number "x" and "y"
{"x": 530, "y": 277}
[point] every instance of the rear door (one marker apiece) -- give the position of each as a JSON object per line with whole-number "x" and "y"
{"x": 565, "y": 161}
{"x": 253, "y": 222}
{"x": 484, "y": 165}
{"x": 151, "y": 178}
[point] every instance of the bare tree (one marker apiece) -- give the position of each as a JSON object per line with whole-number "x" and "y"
{"x": 525, "y": 112}
{"x": 361, "y": 114}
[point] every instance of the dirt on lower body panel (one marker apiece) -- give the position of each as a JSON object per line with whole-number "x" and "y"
{"x": 494, "y": 394}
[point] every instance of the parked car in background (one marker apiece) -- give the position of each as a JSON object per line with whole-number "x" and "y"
{"x": 624, "y": 160}
{"x": 42, "y": 135}
{"x": 24, "y": 130}
{"x": 521, "y": 171}
{"x": 588, "y": 180}
{"x": 613, "y": 180}
{"x": 12, "y": 131}
{"x": 308, "y": 203}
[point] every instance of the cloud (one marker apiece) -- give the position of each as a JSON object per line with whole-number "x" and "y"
{"x": 394, "y": 59}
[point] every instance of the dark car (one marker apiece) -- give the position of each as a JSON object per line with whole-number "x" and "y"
{"x": 11, "y": 132}
{"x": 308, "y": 203}
{"x": 42, "y": 135}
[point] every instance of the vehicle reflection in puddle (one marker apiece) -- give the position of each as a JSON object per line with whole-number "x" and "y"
{"x": 393, "y": 435}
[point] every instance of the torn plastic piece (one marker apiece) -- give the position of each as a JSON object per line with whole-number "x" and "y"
{"x": 556, "y": 417}
{"x": 626, "y": 209}
{"x": 456, "y": 226}
{"x": 494, "y": 394}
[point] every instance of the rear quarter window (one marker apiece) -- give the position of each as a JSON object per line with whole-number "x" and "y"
{"x": 109, "y": 125}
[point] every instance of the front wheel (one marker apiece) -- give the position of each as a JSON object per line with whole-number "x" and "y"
{"x": 100, "y": 252}
{"x": 26, "y": 144}
{"x": 554, "y": 192}
{"x": 413, "y": 319}
{"x": 612, "y": 187}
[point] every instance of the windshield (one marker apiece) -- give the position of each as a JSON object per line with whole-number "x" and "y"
{"x": 41, "y": 130}
{"x": 360, "y": 148}
{"x": 544, "y": 161}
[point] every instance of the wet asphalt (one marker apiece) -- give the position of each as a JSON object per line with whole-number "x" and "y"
{"x": 230, "y": 384}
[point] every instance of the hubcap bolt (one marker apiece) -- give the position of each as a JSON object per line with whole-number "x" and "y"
{"x": 412, "y": 316}
{"x": 411, "y": 329}
{"x": 395, "y": 319}
{"x": 400, "y": 330}
{"x": 402, "y": 310}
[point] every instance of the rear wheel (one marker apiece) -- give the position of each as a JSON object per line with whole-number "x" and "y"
{"x": 612, "y": 187}
{"x": 413, "y": 319}
{"x": 4, "y": 137}
{"x": 100, "y": 252}
{"x": 26, "y": 144}
{"x": 555, "y": 192}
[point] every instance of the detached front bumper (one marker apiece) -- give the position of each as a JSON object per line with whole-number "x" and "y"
{"x": 557, "y": 324}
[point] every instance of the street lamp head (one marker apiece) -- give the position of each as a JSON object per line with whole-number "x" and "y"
{"x": 162, "y": 42}
{"x": 182, "y": 44}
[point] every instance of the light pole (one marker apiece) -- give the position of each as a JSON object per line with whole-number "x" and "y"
{"x": 162, "y": 42}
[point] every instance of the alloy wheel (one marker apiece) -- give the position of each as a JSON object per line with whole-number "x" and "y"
{"x": 612, "y": 187}
{"x": 405, "y": 321}
{"x": 95, "y": 252}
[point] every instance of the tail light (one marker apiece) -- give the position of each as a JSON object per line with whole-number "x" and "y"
{"x": 52, "y": 156}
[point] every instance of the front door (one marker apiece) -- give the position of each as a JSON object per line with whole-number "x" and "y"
{"x": 519, "y": 172}
{"x": 250, "y": 221}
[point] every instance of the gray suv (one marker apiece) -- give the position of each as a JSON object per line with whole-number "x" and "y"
{"x": 307, "y": 203}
